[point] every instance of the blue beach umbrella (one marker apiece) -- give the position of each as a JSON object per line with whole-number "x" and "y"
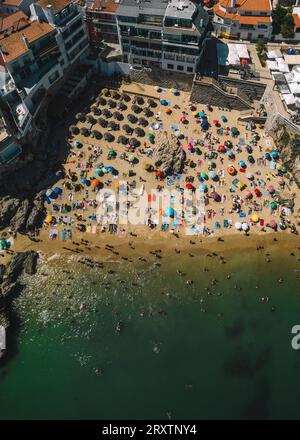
{"x": 268, "y": 156}
{"x": 223, "y": 118}
{"x": 163, "y": 102}
{"x": 204, "y": 124}
{"x": 169, "y": 212}
{"x": 203, "y": 188}
{"x": 275, "y": 154}
{"x": 230, "y": 154}
{"x": 202, "y": 115}
{"x": 242, "y": 164}
{"x": 212, "y": 175}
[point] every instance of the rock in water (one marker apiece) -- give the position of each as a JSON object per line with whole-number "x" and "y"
{"x": 169, "y": 153}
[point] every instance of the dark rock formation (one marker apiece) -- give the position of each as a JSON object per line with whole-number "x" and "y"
{"x": 169, "y": 153}
{"x": 8, "y": 208}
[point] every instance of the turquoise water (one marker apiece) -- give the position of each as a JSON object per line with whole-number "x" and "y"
{"x": 203, "y": 351}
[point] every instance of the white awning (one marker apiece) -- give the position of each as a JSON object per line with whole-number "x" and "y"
{"x": 271, "y": 55}
{"x": 272, "y": 65}
{"x": 294, "y": 88}
{"x": 292, "y": 60}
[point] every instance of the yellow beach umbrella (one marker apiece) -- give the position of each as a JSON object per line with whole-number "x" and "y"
{"x": 49, "y": 218}
{"x": 255, "y": 218}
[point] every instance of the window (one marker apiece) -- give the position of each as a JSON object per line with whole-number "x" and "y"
{"x": 170, "y": 66}
{"x": 189, "y": 69}
{"x": 180, "y": 68}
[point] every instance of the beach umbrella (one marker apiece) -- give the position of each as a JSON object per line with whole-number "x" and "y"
{"x": 115, "y": 94}
{"x": 131, "y": 158}
{"x": 4, "y": 244}
{"x": 223, "y": 118}
{"x": 257, "y": 192}
{"x": 242, "y": 164}
{"x": 169, "y": 212}
{"x": 212, "y": 175}
{"x": 159, "y": 173}
{"x": 139, "y": 132}
{"x": 248, "y": 194}
{"x": 125, "y": 97}
{"x": 140, "y": 100}
{"x": 109, "y": 137}
{"x": 97, "y": 134}
{"x": 102, "y": 122}
{"x": 273, "y": 205}
{"x": 122, "y": 140}
{"x": 204, "y": 125}
{"x": 202, "y": 115}
{"x": 143, "y": 122}
{"x": 245, "y": 227}
{"x": 80, "y": 117}
{"x": 164, "y": 102}
{"x": 74, "y": 130}
{"x": 136, "y": 109}
{"x": 175, "y": 92}
{"x": 196, "y": 113}
{"x": 268, "y": 156}
{"x": 127, "y": 128}
{"x": 203, "y": 188}
{"x": 212, "y": 165}
{"x": 271, "y": 189}
{"x": 238, "y": 226}
{"x": 148, "y": 167}
{"x": 105, "y": 92}
{"x": 148, "y": 113}
{"x": 234, "y": 131}
{"x": 230, "y": 154}
{"x": 134, "y": 142}
{"x": 102, "y": 101}
{"x": 214, "y": 195}
{"x": 204, "y": 175}
{"x": 113, "y": 125}
{"x": 121, "y": 106}
{"x": 232, "y": 171}
{"x": 221, "y": 149}
{"x": 106, "y": 113}
{"x": 111, "y": 103}
{"x": 131, "y": 118}
{"x": 189, "y": 186}
{"x": 112, "y": 153}
{"x": 273, "y": 224}
{"x": 85, "y": 131}
{"x": 251, "y": 159}
{"x": 90, "y": 120}
{"x": 77, "y": 144}
{"x": 49, "y": 218}
{"x": 95, "y": 182}
{"x": 168, "y": 110}
{"x": 275, "y": 154}
{"x": 250, "y": 176}
{"x": 99, "y": 172}
{"x": 215, "y": 122}
{"x": 118, "y": 116}
{"x": 151, "y": 103}
{"x": 150, "y": 137}
{"x": 190, "y": 147}
{"x": 255, "y": 218}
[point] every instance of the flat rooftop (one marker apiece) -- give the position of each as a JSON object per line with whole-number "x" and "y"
{"x": 132, "y": 8}
{"x": 184, "y": 9}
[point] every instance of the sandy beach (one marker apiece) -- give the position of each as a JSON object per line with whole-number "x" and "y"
{"x": 240, "y": 174}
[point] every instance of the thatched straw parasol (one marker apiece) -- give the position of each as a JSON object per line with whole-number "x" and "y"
{"x": 147, "y": 112}
{"x": 140, "y": 100}
{"x": 85, "y": 131}
{"x": 151, "y": 103}
{"x": 102, "y": 122}
{"x": 127, "y": 129}
{"x": 131, "y": 118}
{"x": 102, "y": 101}
{"x": 121, "y": 106}
{"x": 139, "y": 132}
{"x": 125, "y": 97}
{"x": 109, "y": 137}
{"x": 106, "y": 113}
{"x": 118, "y": 116}
{"x": 122, "y": 140}
{"x": 90, "y": 120}
{"x": 74, "y": 130}
{"x": 97, "y": 134}
{"x": 143, "y": 122}
{"x": 105, "y": 92}
{"x": 80, "y": 117}
{"x": 134, "y": 142}
{"x": 136, "y": 109}
{"x": 111, "y": 103}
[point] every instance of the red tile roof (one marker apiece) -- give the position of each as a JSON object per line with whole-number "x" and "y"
{"x": 57, "y": 5}
{"x": 108, "y": 6}
{"x": 15, "y": 21}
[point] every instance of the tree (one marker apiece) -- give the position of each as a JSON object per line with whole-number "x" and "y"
{"x": 278, "y": 16}
{"x": 287, "y": 27}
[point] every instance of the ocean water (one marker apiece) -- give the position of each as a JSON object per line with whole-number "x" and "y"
{"x": 208, "y": 350}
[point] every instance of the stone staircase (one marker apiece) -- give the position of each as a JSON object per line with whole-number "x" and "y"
{"x": 162, "y": 78}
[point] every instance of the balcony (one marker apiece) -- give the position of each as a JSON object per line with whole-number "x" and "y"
{"x": 46, "y": 49}
{"x": 68, "y": 19}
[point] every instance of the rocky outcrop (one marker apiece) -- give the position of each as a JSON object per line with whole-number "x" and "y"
{"x": 8, "y": 208}
{"x": 289, "y": 147}
{"x": 10, "y": 283}
{"x": 169, "y": 154}
{"x": 36, "y": 216}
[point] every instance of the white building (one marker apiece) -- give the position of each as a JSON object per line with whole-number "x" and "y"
{"x": 246, "y": 20}
{"x": 68, "y": 20}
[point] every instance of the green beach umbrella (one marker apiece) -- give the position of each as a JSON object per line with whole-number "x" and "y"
{"x": 204, "y": 175}
{"x": 273, "y": 205}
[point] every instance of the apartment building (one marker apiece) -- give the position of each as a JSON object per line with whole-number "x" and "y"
{"x": 170, "y": 35}
{"x": 243, "y": 19}
{"x": 67, "y": 18}
{"x": 101, "y": 21}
